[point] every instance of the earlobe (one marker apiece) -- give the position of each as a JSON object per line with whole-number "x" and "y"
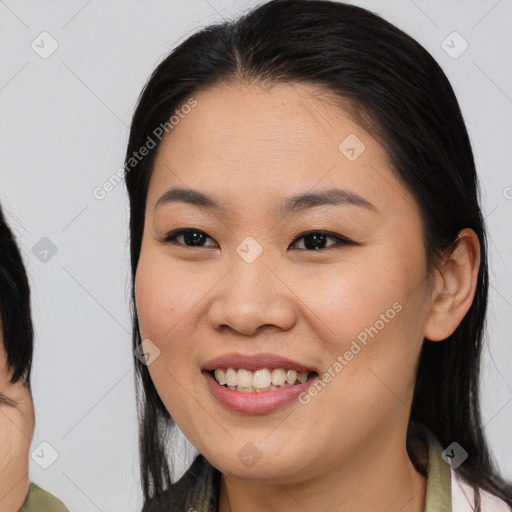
{"x": 454, "y": 288}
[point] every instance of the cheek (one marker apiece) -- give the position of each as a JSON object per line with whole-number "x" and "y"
{"x": 348, "y": 299}
{"x": 167, "y": 300}
{"x": 161, "y": 297}
{"x": 162, "y": 304}
{"x": 368, "y": 316}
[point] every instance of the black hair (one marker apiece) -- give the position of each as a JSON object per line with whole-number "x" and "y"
{"x": 15, "y": 309}
{"x": 396, "y": 90}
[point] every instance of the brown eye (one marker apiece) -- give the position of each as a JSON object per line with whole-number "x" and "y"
{"x": 315, "y": 240}
{"x": 191, "y": 237}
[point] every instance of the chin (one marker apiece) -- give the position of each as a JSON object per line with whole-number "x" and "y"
{"x": 252, "y": 463}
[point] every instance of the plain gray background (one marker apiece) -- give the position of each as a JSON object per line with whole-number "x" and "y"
{"x": 64, "y": 127}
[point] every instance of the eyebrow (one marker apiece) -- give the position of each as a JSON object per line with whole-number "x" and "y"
{"x": 297, "y": 203}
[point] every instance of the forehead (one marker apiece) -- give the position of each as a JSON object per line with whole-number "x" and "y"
{"x": 252, "y": 143}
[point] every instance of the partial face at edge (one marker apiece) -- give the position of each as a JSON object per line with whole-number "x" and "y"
{"x": 250, "y": 150}
{"x": 16, "y": 431}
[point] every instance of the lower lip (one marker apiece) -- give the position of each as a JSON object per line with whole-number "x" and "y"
{"x": 255, "y": 402}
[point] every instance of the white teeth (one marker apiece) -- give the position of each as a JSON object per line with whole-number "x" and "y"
{"x": 220, "y": 376}
{"x": 260, "y": 380}
{"x": 291, "y": 376}
{"x": 244, "y": 378}
{"x": 278, "y": 377}
{"x": 231, "y": 377}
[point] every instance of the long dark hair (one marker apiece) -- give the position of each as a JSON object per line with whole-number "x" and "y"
{"x": 398, "y": 92}
{"x": 15, "y": 309}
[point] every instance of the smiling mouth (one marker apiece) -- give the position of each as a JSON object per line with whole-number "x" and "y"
{"x": 265, "y": 379}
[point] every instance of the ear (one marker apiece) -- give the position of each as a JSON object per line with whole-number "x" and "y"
{"x": 454, "y": 287}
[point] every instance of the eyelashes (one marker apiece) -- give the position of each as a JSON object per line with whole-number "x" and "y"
{"x": 313, "y": 240}
{"x": 316, "y": 238}
{"x": 173, "y": 235}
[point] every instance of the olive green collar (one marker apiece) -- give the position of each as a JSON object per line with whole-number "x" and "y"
{"x": 39, "y": 500}
{"x": 439, "y": 493}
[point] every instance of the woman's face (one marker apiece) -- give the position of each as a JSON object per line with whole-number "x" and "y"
{"x": 245, "y": 281}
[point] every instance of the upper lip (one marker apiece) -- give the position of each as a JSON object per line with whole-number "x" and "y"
{"x": 254, "y": 362}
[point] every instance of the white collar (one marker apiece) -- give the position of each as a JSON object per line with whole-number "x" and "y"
{"x": 462, "y": 498}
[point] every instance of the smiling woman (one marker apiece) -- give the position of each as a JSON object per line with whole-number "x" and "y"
{"x": 323, "y": 180}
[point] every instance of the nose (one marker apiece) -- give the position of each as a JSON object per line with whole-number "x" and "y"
{"x": 253, "y": 296}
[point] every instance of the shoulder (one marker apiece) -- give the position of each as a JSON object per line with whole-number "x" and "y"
{"x": 462, "y": 498}
{"x": 39, "y": 500}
